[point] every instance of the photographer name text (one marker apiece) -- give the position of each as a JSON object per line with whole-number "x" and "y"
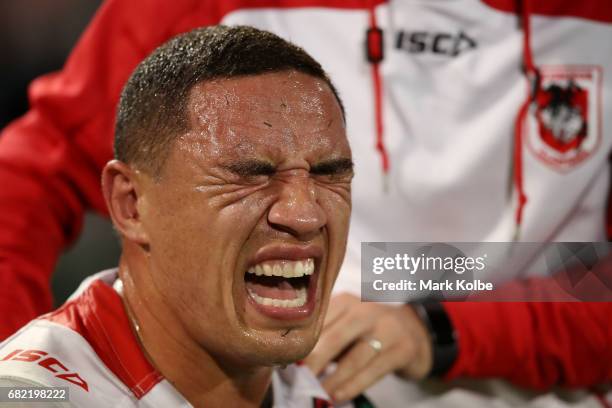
{"x": 432, "y": 285}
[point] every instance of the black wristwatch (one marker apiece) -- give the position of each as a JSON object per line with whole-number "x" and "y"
{"x": 445, "y": 346}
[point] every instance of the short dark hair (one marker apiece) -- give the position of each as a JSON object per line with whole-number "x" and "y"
{"x": 151, "y": 110}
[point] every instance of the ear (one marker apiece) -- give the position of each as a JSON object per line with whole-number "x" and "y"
{"x": 121, "y": 187}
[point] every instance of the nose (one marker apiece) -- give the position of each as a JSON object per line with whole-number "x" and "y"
{"x": 297, "y": 211}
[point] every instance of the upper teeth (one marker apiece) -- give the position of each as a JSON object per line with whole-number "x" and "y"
{"x": 286, "y": 269}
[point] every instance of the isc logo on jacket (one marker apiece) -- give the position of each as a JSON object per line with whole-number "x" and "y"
{"x": 442, "y": 43}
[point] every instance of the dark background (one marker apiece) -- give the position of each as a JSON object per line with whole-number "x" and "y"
{"x": 36, "y": 36}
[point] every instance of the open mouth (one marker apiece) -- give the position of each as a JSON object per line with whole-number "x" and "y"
{"x": 279, "y": 287}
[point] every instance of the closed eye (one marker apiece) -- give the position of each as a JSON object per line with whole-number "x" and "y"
{"x": 334, "y": 168}
{"x": 251, "y": 168}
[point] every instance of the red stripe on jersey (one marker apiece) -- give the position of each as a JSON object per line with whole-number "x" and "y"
{"x": 596, "y": 10}
{"x": 99, "y": 316}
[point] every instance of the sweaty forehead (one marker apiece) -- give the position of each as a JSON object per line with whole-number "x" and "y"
{"x": 284, "y": 111}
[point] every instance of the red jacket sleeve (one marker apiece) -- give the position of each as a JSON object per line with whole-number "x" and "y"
{"x": 51, "y": 158}
{"x": 537, "y": 344}
{"x": 534, "y": 344}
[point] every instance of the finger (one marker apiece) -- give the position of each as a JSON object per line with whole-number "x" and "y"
{"x": 381, "y": 365}
{"x": 334, "y": 340}
{"x": 352, "y": 362}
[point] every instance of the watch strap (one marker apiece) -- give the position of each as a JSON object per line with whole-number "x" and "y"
{"x": 442, "y": 333}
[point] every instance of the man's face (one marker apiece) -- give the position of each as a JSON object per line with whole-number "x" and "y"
{"x": 259, "y": 186}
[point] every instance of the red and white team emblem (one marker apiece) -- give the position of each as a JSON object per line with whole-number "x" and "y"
{"x": 564, "y": 125}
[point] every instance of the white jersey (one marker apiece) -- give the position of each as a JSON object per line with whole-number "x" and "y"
{"x": 88, "y": 346}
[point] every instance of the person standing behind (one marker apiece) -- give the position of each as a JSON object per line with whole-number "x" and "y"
{"x": 442, "y": 118}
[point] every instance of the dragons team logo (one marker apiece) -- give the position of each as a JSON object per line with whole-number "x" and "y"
{"x": 564, "y": 125}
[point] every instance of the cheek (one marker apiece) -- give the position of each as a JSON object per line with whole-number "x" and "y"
{"x": 178, "y": 232}
{"x": 337, "y": 207}
{"x": 181, "y": 250}
{"x": 336, "y": 204}
{"x": 196, "y": 245}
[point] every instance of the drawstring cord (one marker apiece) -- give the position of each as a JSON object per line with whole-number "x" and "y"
{"x": 374, "y": 53}
{"x": 533, "y": 77}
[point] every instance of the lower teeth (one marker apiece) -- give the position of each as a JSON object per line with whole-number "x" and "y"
{"x": 298, "y": 301}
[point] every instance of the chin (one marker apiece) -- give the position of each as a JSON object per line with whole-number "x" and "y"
{"x": 279, "y": 350}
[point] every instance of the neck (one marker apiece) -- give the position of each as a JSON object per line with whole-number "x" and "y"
{"x": 200, "y": 377}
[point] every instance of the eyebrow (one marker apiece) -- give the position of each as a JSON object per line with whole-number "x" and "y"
{"x": 333, "y": 166}
{"x": 251, "y": 167}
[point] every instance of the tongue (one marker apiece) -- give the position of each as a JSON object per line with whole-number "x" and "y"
{"x": 272, "y": 287}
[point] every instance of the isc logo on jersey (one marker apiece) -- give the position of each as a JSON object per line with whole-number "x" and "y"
{"x": 564, "y": 125}
{"x": 43, "y": 359}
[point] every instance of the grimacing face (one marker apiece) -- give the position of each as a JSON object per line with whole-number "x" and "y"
{"x": 249, "y": 219}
